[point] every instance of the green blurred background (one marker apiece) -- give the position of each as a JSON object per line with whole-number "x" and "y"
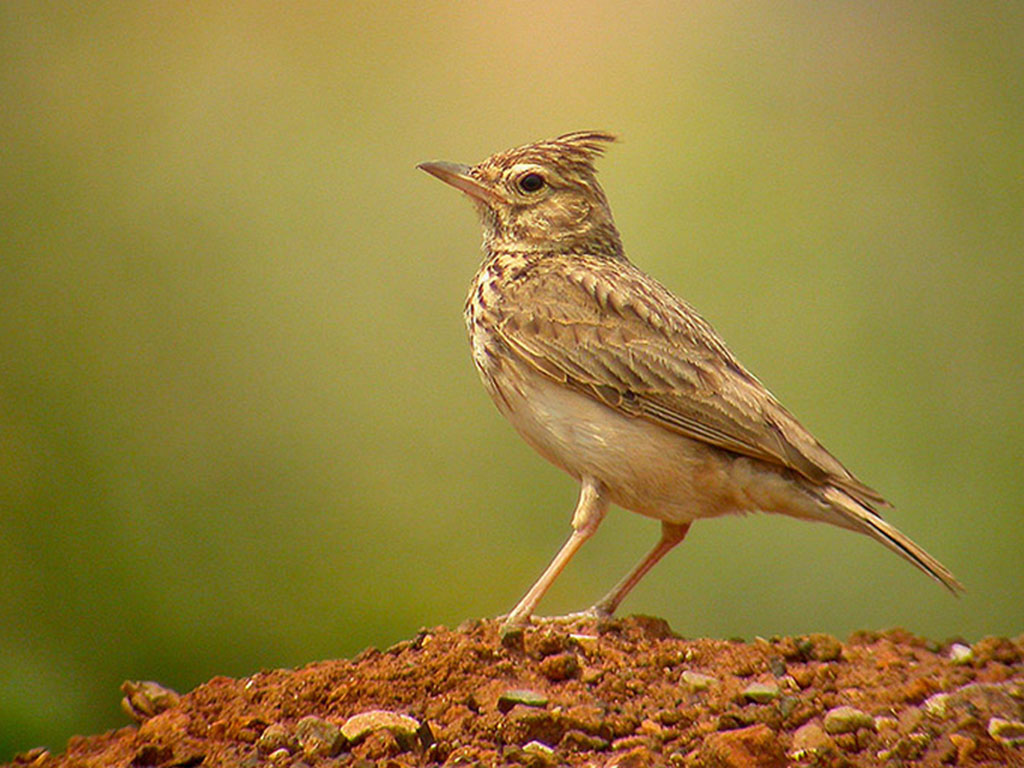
{"x": 239, "y": 426}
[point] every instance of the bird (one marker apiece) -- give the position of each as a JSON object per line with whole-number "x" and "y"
{"x": 620, "y": 383}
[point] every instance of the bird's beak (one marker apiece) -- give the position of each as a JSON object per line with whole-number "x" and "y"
{"x": 458, "y": 176}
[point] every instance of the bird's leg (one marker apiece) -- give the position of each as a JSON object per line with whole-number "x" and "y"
{"x": 671, "y": 534}
{"x": 590, "y": 511}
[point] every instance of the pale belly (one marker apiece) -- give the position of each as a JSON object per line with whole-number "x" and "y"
{"x": 644, "y": 467}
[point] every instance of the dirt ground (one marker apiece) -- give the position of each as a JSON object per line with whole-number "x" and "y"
{"x": 629, "y": 693}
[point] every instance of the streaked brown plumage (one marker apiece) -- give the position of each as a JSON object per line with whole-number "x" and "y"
{"x": 620, "y": 383}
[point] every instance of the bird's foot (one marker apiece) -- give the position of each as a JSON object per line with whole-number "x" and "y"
{"x": 589, "y": 616}
{"x": 593, "y": 615}
{"x": 513, "y": 626}
{"x": 513, "y": 631}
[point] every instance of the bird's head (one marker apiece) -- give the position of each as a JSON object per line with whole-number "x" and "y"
{"x": 540, "y": 197}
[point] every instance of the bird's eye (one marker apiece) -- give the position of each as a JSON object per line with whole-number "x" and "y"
{"x": 531, "y": 182}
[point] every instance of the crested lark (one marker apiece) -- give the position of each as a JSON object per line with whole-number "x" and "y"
{"x": 623, "y": 385}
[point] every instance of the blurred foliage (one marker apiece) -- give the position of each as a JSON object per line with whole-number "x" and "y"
{"x": 239, "y": 427}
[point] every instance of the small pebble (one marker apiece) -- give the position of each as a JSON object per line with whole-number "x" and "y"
{"x": 514, "y": 696}
{"x": 281, "y": 755}
{"x": 1009, "y": 732}
{"x": 961, "y": 654}
{"x": 543, "y": 751}
{"x": 525, "y": 724}
{"x": 403, "y": 727}
{"x": 34, "y": 756}
{"x": 964, "y": 746}
{"x": 318, "y": 738}
{"x": 809, "y": 740}
{"x": 827, "y": 647}
{"x": 397, "y": 648}
{"x": 695, "y": 681}
{"x": 847, "y": 720}
{"x": 762, "y": 693}
{"x": 274, "y": 737}
{"x": 910, "y": 747}
{"x": 578, "y": 741}
{"x": 755, "y": 746}
{"x": 588, "y": 718}
{"x": 887, "y": 724}
{"x": 802, "y": 676}
{"x": 144, "y": 699}
{"x": 559, "y": 667}
{"x": 548, "y": 644}
{"x": 787, "y": 705}
{"x": 937, "y": 705}
{"x": 587, "y": 643}
{"x": 639, "y": 756}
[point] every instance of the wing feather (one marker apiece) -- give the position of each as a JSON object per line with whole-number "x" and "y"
{"x": 617, "y": 335}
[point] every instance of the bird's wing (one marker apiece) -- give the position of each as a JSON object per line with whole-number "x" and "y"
{"x": 610, "y": 331}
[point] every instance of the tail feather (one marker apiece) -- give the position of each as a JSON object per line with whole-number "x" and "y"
{"x": 862, "y": 518}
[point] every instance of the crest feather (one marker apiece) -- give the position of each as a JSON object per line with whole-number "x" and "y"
{"x": 573, "y": 151}
{"x": 593, "y": 142}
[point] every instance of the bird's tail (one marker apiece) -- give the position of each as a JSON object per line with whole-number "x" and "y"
{"x": 861, "y": 518}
